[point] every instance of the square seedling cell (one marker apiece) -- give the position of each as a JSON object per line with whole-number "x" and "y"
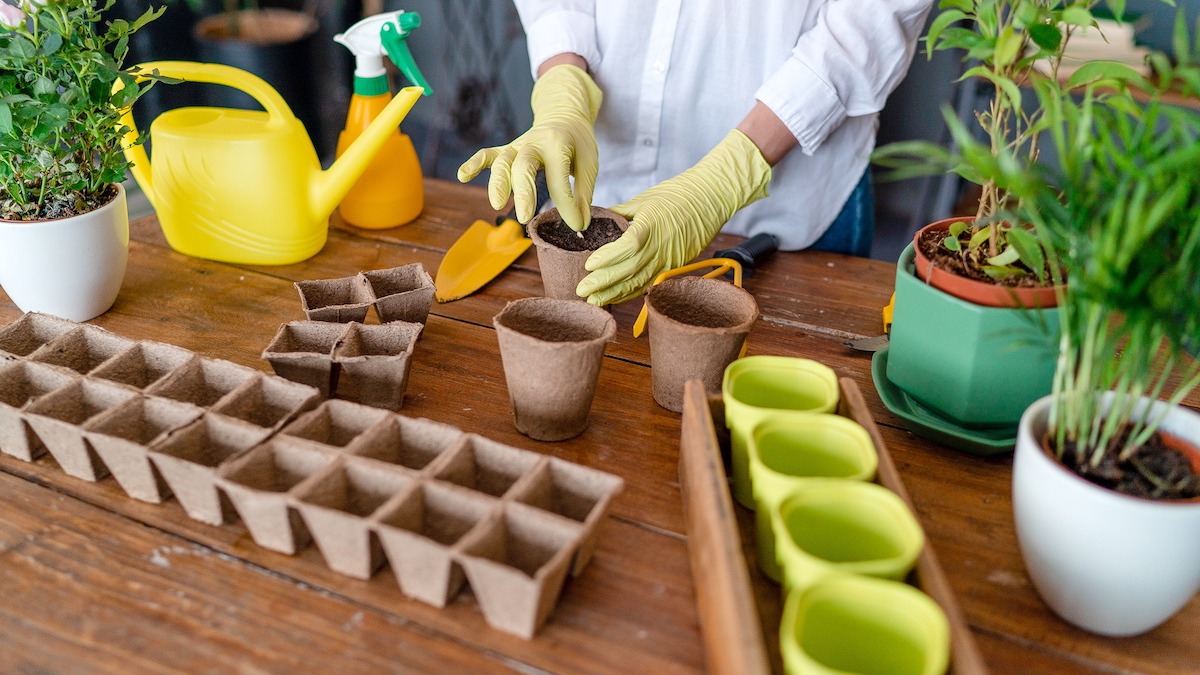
{"x": 144, "y": 365}
{"x": 336, "y": 508}
{"x": 122, "y": 437}
{"x": 336, "y": 300}
{"x": 336, "y": 423}
{"x": 419, "y": 531}
{"x": 302, "y": 351}
{"x": 412, "y": 443}
{"x": 33, "y": 330}
{"x": 22, "y": 382}
{"x": 576, "y": 492}
{"x": 517, "y": 565}
{"x": 374, "y": 361}
{"x": 82, "y": 350}
{"x": 259, "y": 484}
{"x": 58, "y": 418}
{"x": 486, "y": 466}
{"x": 401, "y": 293}
{"x": 268, "y": 402}
{"x": 188, "y": 460}
{"x": 203, "y": 381}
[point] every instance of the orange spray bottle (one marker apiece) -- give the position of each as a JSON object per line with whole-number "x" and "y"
{"x": 391, "y": 191}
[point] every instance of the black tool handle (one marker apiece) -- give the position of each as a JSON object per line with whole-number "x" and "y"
{"x": 751, "y": 252}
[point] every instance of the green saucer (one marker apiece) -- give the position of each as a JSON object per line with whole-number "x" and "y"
{"x": 927, "y": 424}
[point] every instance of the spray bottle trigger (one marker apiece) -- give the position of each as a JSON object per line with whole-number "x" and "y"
{"x": 394, "y": 43}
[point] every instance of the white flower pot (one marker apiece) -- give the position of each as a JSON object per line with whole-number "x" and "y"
{"x": 1106, "y": 562}
{"x": 69, "y": 267}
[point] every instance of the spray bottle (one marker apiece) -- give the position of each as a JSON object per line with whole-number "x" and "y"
{"x": 391, "y": 191}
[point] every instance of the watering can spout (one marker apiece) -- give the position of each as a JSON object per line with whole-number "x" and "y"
{"x": 330, "y": 186}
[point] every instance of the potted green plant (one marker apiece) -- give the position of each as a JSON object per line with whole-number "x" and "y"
{"x": 971, "y": 355}
{"x": 1106, "y": 478}
{"x": 64, "y": 226}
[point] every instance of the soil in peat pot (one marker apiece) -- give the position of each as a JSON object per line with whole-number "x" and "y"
{"x": 599, "y": 233}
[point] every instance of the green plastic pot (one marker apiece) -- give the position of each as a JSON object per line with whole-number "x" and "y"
{"x": 834, "y": 526}
{"x": 852, "y": 624}
{"x": 757, "y": 386}
{"x": 789, "y": 449}
{"x": 979, "y": 367}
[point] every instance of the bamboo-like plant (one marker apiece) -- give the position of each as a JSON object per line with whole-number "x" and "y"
{"x": 1124, "y": 206}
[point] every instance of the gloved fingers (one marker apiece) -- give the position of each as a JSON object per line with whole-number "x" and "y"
{"x": 558, "y": 184}
{"x": 500, "y": 186}
{"x": 585, "y": 187}
{"x": 477, "y": 163}
{"x": 523, "y": 179}
{"x": 624, "y": 248}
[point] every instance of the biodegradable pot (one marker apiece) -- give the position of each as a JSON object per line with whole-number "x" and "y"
{"x": 335, "y": 300}
{"x": 787, "y": 450}
{"x": 144, "y": 365}
{"x": 974, "y": 291}
{"x": 373, "y": 363}
{"x": 122, "y": 437}
{"x": 516, "y": 565}
{"x": 58, "y": 420}
{"x": 188, "y": 462}
{"x": 401, "y": 293}
{"x": 268, "y": 402}
{"x": 1104, "y": 561}
{"x": 552, "y": 350}
{"x": 70, "y": 267}
{"x": 697, "y": 327}
{"x": 978, "y": 367}
{"x": 757, "y": 386}
{"x": 562, "y": 269}
{"x": 834, "y": 526}
{"x": 82, "y": 350}
{"x": 302, "y": 351}
{"x": 30, "y": 332}
{"x": 20, "y": 383}
{"x": 853, "y": 624}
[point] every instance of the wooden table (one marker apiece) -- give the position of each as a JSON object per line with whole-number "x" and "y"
{"x": 91, "y": 580}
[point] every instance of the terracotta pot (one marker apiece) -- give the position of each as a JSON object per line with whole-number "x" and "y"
{"x": 70, "y": 267}
{"x": 978, "y": 292}
{"x": 562, "y": 270}
{"x": 1107, "y": 562}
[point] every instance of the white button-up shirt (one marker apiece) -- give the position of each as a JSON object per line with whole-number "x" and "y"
{"x": 677, "y": 75}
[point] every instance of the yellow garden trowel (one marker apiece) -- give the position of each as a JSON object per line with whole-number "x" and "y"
{"x": 482, "y": 252}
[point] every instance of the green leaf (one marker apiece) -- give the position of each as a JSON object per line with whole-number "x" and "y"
{"x": 940, "y": 23}
{"x": 964, "y": 5}
{"x": 1026, "y": 13}
{"x": 44, "y": 85}
{"x": 1077, "y": 15}
{"x": 979, "y": 237}
{"x": 1008, "y": 87}
{"x": 51, "y": 44}
{"x": 1028, "y": 248}
{"x": 959, "y": 227}
{"x": 951, "y": 243}
{"x": 1117, "y": 7}
{"x": 1006, "y": 257}
{"x": 1180, "y": 42}
{"x": 997, "y": 272}
{"x": 1096, "y": 71}
{"x": 1046, "y": 36}
{"x": 1008, "y": 45}
{"x": 6, "y": 121}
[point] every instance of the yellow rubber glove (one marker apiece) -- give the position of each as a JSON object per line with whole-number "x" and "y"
{"x": 565, "y": 103}
{"x": 670, "y": 223}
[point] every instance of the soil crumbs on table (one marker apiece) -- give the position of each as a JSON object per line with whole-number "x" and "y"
{"x": 599, "y": 233}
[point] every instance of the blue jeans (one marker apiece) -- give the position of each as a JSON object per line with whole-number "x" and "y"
{"x": 854, "y": 229}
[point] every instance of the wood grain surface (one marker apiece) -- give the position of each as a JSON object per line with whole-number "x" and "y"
{"x": 92, "y": 581}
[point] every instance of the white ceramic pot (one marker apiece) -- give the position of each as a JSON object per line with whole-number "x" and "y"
{"x": 1106, "y": 562}
{"x": 69, "y": 267}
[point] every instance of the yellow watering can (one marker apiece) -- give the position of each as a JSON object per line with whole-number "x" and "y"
{"x": 245, "y": 186}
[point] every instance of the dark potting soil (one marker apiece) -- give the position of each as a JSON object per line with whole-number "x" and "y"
{"x": 599, "y": 233}
{"x": 971, "y": 266}
{"x": 1173, "y": 476}
{"x": 74, "y": 204}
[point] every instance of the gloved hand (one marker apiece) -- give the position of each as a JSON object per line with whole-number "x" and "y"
{"x": 565, "y": 103}
{"x": 670, "y": 223}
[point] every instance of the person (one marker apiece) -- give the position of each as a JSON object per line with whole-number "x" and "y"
{"x": 699, "y": 110}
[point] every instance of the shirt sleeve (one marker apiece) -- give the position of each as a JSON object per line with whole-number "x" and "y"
{"x": 558, "y": 27}
{"x": 845, "y": 66}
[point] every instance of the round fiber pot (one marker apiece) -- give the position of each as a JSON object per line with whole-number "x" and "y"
{"x": 69, "y": 267}
{"x": 971, "y": 290}
{"x": 1107, "y": 562}
{"x": 552, "y": 350}
{"x": 561, "y": 253}
{"x": 697, "y": 327}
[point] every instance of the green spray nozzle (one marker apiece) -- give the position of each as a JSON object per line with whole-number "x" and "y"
{"x": 394, "y": 37}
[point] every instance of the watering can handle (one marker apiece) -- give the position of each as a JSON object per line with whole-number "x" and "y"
{"x": 277, "y": 109}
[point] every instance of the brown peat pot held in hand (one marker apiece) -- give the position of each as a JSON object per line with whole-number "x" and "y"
{"x": 562, "y": 252}
{"x": 697, "y": 327}
{"x": 552, "y": 350}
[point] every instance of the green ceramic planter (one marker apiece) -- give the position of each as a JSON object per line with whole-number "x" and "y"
{"x": 789, "y": 449}
{"x": 978, "y": 366}
{"x": 833, "y": 526}
{"x": 757, "y": 386}
{"x": 852, "y": 624}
